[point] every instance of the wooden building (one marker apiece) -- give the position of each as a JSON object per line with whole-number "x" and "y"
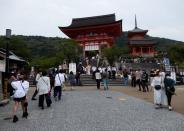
{"x": 139, "y": 43}
{"x": 94, "y": 33}
{"x": 15, "y": 63}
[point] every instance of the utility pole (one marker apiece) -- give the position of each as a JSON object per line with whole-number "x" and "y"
{"x": 8, "y": 36}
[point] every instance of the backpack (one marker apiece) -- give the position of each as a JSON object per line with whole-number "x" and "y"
{"x": 144, "y": 77}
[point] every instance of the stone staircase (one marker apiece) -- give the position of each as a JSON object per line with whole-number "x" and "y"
{"x": 86, "y": 80}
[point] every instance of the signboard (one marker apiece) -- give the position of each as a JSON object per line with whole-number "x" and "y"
{"x": 72, "y": 67}
{"x": 166, "y": 61}
{"x": 2, "y": 65}
{"x": 91, "y": 47}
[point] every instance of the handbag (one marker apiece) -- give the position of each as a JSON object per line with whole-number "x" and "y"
{"x": 157, "y": 87}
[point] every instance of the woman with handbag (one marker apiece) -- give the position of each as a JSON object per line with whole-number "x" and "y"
{"x": 157, "y": 85}
{"x": 43, "y": 87}
{"x": 21, "y": 87}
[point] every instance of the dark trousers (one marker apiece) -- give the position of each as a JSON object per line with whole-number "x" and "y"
{"x": 35, "y": 93}
{"x": 58, "y": 92}
{"x": 93, "y": 74}
{"x": 139, "y": 83}
{"x": 144, "y": 86}
{"x": 41, "y": 100}
{"x": 98, "y": 83}
{"x": 113, "y": 74}
{"x": 133, "y": 82}
{"x": 169, "y": 97}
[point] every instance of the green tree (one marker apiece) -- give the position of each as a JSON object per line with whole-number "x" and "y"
{"x": 176, "y": 54}
{"x": 17, "y": 46}
{"x": 112, "y": 54}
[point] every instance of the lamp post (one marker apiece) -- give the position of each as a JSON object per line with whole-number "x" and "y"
{"x": 8, "y": 35}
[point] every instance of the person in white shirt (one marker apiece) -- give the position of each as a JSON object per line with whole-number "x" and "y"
{"x": 98, "y": 78}
{"x": 157, "y": 84}
{"x": 114, "y": 72}
{"x": 58, "y": 84}
{"x": 93, "y": 71}
{"x": 43, "y": 87}
{"x": 38, "y": 75}
{"x": 21, "y": 87}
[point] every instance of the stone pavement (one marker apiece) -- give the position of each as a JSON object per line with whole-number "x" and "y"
{"x": 94, "y": 111}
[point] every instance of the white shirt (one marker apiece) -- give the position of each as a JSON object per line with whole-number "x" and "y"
{"x": 138, "y": 75}
{"x": 43, "y": 85}
{"x": 21, "y": 88}
{"x": 98, "y": 75}
{"x": 157, "y": 80}
{"x": 108, "y": 68}
{"x": 93, "y": 68}
{"x": 113, "y": 68}
{"x": 59, "y": 79}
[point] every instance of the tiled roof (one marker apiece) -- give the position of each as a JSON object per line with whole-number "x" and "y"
{"x": 142, "y": 42}
{"x": 95, "y": 20}
{"x": 135, "y": 30}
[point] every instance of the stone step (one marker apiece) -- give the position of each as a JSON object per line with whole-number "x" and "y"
{"x": 94, "y": 84}
{"x": 87, "y": 80}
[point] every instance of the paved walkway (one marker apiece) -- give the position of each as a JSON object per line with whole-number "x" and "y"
{"x": 94, "y": 111}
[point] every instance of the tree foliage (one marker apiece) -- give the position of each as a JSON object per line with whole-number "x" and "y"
{"x": 176, "y": 54}
{"x": 115, "y": 52}
{"x": 47, "y": 52}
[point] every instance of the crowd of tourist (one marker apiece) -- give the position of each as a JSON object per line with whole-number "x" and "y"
{"x": 162, "y": 84}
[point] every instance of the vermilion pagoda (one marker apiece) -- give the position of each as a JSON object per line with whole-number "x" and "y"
{"x": 139, "y": 43}
{"x": 94, "y": 33}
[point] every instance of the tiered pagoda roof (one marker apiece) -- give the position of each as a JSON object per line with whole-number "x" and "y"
{"x": 141, "y": 40}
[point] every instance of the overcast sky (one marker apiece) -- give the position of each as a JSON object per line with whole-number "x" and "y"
{"x": 163, "y": 18}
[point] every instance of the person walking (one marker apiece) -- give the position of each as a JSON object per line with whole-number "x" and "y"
{"x": 138, "y": 78}
{"x": 157, "y": 85}
{"x": 58, "y": 84}
{"x": 133, "y": 76}
{"x": 72, "y": 80}
{"x": 169, "y": 89}
{"x": 144, "y": 81}
{"x": 105, "y": 80}
{"x": 98, "y": 78}
{"x": 21, "y": 88}
{"x": 77, "y": 77}
{"x": 125, "y": 77}
{"x": 38, "y": 75}
{"x": 43, "y": 87}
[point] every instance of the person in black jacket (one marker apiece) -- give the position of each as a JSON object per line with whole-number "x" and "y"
{"x": 169, "y": 89}
{"x": 144, "y": 81}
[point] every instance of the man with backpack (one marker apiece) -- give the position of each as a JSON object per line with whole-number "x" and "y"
{"x": 144, "y": 81}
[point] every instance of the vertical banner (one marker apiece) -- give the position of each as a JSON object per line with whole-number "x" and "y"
{"x": 72, "y": 67}
{"x": 166, "y": 63}
{"x": 2, "y": 65}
